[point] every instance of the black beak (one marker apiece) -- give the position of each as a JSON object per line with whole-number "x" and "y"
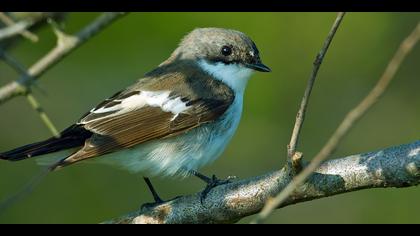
{"x": 258, "y": 67}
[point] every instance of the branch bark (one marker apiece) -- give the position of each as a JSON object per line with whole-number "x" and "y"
{"x": 397, "y": 166}
{"x": 65, "y": 45}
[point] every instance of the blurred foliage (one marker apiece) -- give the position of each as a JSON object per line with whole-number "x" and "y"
{"x": 91, "y": 193}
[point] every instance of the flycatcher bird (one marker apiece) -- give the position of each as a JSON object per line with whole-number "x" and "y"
{"x": 177, "y": 118}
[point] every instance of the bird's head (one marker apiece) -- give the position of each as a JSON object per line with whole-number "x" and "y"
{"x": 228, "y": 55}
{"x": 216, "y": 45}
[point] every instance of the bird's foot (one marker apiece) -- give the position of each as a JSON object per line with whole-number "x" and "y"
{"x": 212, "y": 183}
{"x": 155, "y": 195}
{"x": 156, "y": 203}
{"x": 151, "y": 204}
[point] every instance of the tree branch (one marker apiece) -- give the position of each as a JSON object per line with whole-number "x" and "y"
{"x": 16, "y": 28}
{"x": 392, "y": 167}
{"x": 30, "y": 98}
{"x": 348, "y": 122}
{"x": 398, "y": 166}
{"x": 42, "y": 114}
{"x": 65, "y": 45}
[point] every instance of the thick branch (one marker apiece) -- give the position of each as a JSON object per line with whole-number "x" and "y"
{"x": 66, "y": 44}
{"x": 393, "y": 167}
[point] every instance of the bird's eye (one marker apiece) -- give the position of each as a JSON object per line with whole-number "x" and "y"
{"x": 226, "y": 51}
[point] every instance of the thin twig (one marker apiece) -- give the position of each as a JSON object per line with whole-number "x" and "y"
{"x": 350, "y": 119}
{"x": 30, "y": 98}
{"x": 300, "y": 117}
{"x": 44, "y": 117}
{"x": 16, "y": 28}
{"x": 65, "y": 45}
{"x": 12, "y": 62}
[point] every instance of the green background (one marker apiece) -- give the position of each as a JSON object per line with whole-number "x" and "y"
{"x": 288, "y": 42}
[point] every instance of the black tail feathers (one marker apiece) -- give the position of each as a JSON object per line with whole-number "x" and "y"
{"x": 74, "y": 136}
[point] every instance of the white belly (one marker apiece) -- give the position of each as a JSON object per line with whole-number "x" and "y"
{"x": 177, "y": 155}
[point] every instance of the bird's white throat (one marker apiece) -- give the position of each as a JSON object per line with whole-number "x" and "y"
{"x": 234, "y": 75}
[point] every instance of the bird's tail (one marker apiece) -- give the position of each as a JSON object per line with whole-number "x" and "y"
{"x": 24, "y": 191}
{"x": 73, "y": 136}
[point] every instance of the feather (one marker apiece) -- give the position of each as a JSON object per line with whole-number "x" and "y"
{"x": 167, "y": 102}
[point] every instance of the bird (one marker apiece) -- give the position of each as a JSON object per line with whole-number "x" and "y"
{"x": 174, "y": 120}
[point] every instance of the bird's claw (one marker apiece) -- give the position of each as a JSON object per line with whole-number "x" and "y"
{"x": 156, "y": 203}
{"x": 149, "y": 205}
{"x": 212, "y": 183}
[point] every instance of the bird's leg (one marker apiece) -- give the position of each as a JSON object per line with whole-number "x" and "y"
{"x": 211, "y": 183}
{"x": 156, "y": 197}
{"x": 152, "y": 190}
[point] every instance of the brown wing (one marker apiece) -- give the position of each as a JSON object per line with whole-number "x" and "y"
{"x": 114, "y": 130}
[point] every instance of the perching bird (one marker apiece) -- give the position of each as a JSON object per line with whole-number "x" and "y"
{"x": 177, "y": 118}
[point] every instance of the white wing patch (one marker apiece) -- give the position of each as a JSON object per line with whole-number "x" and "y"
{"x": 145, "y": 98}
